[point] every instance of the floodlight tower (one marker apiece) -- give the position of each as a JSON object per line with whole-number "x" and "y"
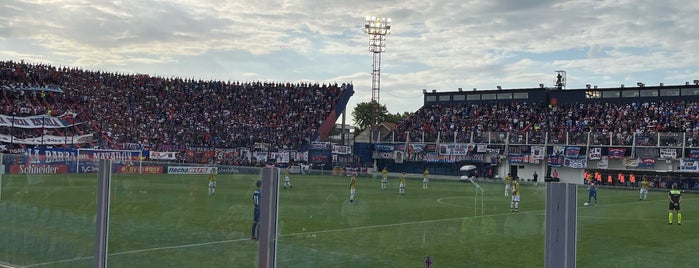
{"x": 377, "y": 29}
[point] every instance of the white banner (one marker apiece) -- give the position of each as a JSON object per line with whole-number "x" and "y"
{"x": 48, "y": 139}
{"x": 668, "y": 153}
{"x": 163, "y": 155}
{"x": 538, "y": 152}
{"x": 595, "y": 153}
{"x": 37, "y": 121}
{"x": 603, "y": 162}
{"x": 341, "y": 149}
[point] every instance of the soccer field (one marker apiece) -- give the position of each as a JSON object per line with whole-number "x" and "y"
{"x": 171, "y": 221}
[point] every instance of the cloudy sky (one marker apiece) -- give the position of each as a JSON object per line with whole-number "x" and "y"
{"x": 435, "y": 44}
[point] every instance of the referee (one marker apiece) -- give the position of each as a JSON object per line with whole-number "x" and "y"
{"x": 675, "y": 198}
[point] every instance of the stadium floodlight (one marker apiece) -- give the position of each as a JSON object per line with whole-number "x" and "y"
{"x": 377, "y": 28}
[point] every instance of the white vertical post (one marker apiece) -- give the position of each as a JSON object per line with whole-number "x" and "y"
{"x": 561, "y": 225}
{"x": 269, "y": 207}
{"x": 102, "y": 221}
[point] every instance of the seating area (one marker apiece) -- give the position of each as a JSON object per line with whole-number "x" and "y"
{"x": 520, "y": 119}
{"x": 168, "y": 113}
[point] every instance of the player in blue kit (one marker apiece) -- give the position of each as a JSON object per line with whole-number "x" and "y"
{"x": 256, "y": 214}
{"x": 592, "y": 192}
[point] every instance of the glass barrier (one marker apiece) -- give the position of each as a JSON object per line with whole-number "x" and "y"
{"x": 46, "y": 214}
{"x": 167, "y": 215}
{"x": 622, "y": 227}
{"x": 455, "y": 222}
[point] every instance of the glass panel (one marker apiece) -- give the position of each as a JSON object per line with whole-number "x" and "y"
{"x": 629, "y": 93}
{"x": 670, "y": 92}
{"x": 452, "y": 222}
{"x": 166, "y": 215}
{"x": 505, "y": 96}
{"x": 46, "y": 213}
{"x": 459, "y": 97}
{"x": 625, "y": 228}
{"x": 649, "y": 92}
{"x": 610, "y": 94}
{"x": 430, "y": 98}
{"x": 444, "y": 97}
{"x": 473, "y": 97}
{"x": 521, "y": 95}
{"x": 488, "y": 96}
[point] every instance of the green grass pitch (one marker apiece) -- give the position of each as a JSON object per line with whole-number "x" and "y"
{"x": 171, "y": 221}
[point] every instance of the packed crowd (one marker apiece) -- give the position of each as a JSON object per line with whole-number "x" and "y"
{"x": 171, "y": 112}
{"x": 606, "y": 124}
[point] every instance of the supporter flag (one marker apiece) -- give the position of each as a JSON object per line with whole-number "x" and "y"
{"x": 616, "y": 153}
{"x": 555, "y": 160}
{"x": 693, "y": 154}
{"x": 603, "y": 162}
{"x": 647, "y": 162}
{"x": 689, "y": 165}
{"x": 538, "y": 152}
{"x": 399, "y": 157}
{"x": 575, "y": 162}
{"x": 595, "y": 153}
{"x": 572, "y": 151}
{"x": 668, "y": 153}
{"x": 631, "y": 162}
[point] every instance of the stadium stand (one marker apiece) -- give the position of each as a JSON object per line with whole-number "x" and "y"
{"x": 159, "y": 113}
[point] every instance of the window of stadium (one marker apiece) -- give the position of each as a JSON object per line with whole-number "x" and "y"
{"x": 649, "y": 93}
{"x": 488, "y": 96}
{"x": 459, "y": 97}
{"x": 504, "y": 96}
{"x": 444, "y": 98}
{"x": 473, "y": 97}
{"x": 611, "y": 94}
{"x": 630, "y": 93}
{"x": 690, "y": 91}
{"x": 670, "y": 92}
{"x": 430, "y": 98}
{"x": 521, "y": 95}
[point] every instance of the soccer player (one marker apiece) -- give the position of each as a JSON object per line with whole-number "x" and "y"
{"x": 644, "y": 188}
{"x": 384, "y": 178}
{"x": 212, "y": 181}
{"x": 675, "y": 199}
{"x": 425, "y": 178}
{"x": 287, "y": 181}
{"x": 592, "y": 192}
{"x": 353, "y": 188}
{"x": 401, "y": 187}
{"x": 536, "y": 179}
{"x": 508, "y": 184}
{"x": 514, "y": 205}
{"x": 256, "y": 213}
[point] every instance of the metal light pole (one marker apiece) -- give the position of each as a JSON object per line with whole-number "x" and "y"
{"x": 377, "y": 29}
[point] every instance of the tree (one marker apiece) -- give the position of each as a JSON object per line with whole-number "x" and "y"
{"x": 364, "y": 113}
{"x": 397, "y": 117}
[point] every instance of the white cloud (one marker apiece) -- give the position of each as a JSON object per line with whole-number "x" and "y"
{"x": 438, "y": 44}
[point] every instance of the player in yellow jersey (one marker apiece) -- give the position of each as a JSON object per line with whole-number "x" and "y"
{"x": 514, "y": 205}
{"x": 353, "y": 186}
{"x": 645, "y": 185}
{"x": 675, "y": 199}
{"x": 384, "y": 178}
{"x": 212, "y": 181}
{"x": 401, "y": 187}
{"x": 425, "y": 178}
{"x": 287, "y": 180}
{"x": 508, "y": 184}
